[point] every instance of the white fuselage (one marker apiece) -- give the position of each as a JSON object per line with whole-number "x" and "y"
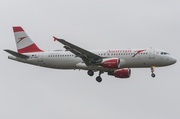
{"x": 129, "y": 58}
{"x": 115, "y": 62}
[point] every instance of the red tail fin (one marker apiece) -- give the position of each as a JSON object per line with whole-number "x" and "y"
{"x": 23, "y": 41}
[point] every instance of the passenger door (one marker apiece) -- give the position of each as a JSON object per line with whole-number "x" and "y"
{"x": 151, "y": 53}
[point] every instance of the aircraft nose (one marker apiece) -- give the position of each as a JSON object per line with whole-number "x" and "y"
{"x": 173, "y": 60}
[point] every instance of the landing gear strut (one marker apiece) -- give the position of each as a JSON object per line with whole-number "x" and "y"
{"x": 152, "y": 70}
{"x": 98, "y": 78}
{"x": 90, "y": 73}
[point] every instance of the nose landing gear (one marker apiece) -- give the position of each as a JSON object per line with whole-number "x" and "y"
{"x": 153, "y": 75}
{"x": 152, "y": 70}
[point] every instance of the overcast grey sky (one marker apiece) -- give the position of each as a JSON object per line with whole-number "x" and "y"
{"x": 30, "y": 92}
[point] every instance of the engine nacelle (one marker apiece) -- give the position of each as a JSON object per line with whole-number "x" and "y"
{"x": 122, "y": 73}
{"x": 112, "y": 63}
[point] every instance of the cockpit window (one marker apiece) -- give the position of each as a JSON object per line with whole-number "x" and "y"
{"x": 164, "y": 53}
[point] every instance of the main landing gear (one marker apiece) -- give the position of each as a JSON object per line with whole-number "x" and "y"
{"x": 98, "y": 78}
{"x": 152, "y": 70}
{"x": 90, "y": 73}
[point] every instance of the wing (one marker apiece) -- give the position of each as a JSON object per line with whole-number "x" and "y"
{"x": 87, "y": 56}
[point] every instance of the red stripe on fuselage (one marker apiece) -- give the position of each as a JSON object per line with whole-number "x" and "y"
{"x": 138, "y": 52}
{"x": 31, "y": 48}
{"x": 17, "y": 29}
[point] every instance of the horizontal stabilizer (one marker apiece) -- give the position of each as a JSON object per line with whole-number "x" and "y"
{"x": 17, "y": 54}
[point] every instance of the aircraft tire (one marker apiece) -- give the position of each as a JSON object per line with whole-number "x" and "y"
{"x": 98, "y": 79}
{"x": 90, "y": 73}
{"x": 153, "y": 75}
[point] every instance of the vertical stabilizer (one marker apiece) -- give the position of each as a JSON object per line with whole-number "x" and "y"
{"x": 23, "y": 42}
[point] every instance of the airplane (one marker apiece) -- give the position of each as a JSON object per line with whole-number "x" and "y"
{"x": 116, "y": 62}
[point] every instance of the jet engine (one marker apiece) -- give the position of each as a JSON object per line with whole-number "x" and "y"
{"x": 122, "y": 73}
{"x": 112, "y": 63}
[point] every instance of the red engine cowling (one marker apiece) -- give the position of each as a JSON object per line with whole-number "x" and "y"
{"x": 112, "y": 63}
{"x": 122, "y": 73}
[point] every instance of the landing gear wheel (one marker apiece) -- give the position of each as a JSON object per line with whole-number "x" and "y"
{"x": 153, "y": 75}
{"x": 98, "y": 79}
{"x": 90, "y": 73}
{"x": 152, "y": 70}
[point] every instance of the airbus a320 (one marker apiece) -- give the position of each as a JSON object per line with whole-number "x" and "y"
{"x": 115, "y": 62}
